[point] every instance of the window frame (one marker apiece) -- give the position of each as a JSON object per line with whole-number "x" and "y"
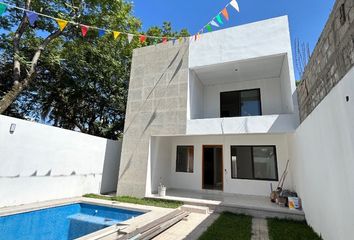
{"x": 239, "y": 91}
{"x": 188, "y": 146}
{"x": 276, "y": 179}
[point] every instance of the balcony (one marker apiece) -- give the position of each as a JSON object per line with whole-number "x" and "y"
{"x": 282, "y": 123}
{"x": 267, "y": 78}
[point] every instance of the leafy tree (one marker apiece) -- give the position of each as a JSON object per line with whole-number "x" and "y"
{"x": 76, "y": 83}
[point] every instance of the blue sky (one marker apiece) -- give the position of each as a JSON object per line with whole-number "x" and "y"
{"x": 307, "y": 17}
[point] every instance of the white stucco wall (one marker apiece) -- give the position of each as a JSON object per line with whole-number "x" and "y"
{"x": 196, "y": 96}
{"x": 263, "y": 38}
{"x": 193, "y": 181}
{"x": 323, "y": 156}
{"x": 40, "y": 162}
{"x": 284, "y": 123}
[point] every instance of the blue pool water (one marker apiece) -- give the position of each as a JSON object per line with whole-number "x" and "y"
{"x": 61, "y": 223}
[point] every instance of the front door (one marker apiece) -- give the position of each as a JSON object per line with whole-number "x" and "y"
{"x": 212, "y": 167}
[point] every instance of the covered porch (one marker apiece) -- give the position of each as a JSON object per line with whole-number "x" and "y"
{"x": 257, "y": 206}
{"x": 247, "y": 164}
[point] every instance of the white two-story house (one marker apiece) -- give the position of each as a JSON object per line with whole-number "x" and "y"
{"x": 212, "y": 114}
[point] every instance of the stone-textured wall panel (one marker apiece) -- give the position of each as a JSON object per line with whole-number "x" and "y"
{"x": 157, "y": 105}
{"x": 332, "y": 58}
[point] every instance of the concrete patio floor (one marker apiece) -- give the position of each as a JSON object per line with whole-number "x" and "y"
{"x": 257, "y": 206}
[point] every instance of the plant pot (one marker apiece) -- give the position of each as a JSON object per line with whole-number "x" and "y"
{"x": 161, "y": 191}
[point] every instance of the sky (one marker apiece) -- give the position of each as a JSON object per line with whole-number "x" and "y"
{"x": 306, "y": 17}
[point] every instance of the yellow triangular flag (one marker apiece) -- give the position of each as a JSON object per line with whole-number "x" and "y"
{"x": 62, "y": 24}
{"x": 115, "y": 34}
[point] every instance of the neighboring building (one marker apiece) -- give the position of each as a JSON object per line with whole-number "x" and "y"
{"x": 212, "y": 114}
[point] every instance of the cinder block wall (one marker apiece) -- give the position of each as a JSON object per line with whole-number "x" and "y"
{"x": 332, "y": 58}
{"x": 157, "y": 105}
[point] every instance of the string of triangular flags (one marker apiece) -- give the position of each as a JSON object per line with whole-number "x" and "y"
{"x": 32, "y": 17}
{"x": 217, "y": 21}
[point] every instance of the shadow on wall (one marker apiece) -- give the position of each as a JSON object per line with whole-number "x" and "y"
{"x": 111, "y": 167}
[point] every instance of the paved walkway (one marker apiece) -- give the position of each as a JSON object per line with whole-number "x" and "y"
{"x": 259, "y": 229}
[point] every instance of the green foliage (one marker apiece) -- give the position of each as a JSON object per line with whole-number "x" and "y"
{"x": 229, "y": 226}
{"x": 81, "y": 83}
{"x": 142, "y": 201}
{"x": 280, "y": 229}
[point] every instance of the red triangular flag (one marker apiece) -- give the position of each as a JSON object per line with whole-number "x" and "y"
{"x": 164, "y": 39}
{"x": 225, "y": 13}
{"x": 142, "y": 38}
{"x": 84, "y": 30}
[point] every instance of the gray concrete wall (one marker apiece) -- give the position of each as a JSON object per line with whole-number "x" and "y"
{"x": 157, "y": 105}
{"x": 332, "y": 58}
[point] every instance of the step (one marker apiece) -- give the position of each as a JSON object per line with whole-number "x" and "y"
{"x": 196, "y": 209}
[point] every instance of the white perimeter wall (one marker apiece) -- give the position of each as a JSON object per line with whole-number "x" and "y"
{"x": 163, "y": 162}
{"x": 323, "y": 163}
{"x": 39, "y": 162}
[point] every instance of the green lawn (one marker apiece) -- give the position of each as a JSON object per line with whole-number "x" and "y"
{"x": 290, "y": 230}
{"x": 141, "y": 201}
{"x": 229, "y": 226}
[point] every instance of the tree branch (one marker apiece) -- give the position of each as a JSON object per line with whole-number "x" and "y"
{"x": 16, "y": 45}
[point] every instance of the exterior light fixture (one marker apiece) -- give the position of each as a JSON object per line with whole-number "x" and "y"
{"x": 12, "y": 128}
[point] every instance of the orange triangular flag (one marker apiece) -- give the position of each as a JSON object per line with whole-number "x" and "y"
{"x": 225, "y": 13}
{"x": 62, "y": 24}
{"x": 115, "y": 34}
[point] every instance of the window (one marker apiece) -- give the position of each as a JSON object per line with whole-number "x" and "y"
{"x": 185, "y": 159}
{"x": 254, "y": 162}
{"x": 240, "y": 103}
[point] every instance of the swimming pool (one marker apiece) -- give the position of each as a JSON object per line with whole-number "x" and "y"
{"x": 62, "y": 222}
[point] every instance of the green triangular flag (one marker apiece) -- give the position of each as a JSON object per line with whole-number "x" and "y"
{"x": 2, "y": 8}
{"x": 208, "y": 27}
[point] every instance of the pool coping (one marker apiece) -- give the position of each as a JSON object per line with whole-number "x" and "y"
{"x": 150, "y": 213}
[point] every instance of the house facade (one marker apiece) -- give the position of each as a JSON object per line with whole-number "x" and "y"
{"x": 213, "y": 114}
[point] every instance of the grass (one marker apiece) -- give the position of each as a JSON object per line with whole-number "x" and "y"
{"x": 142, "y": 201}
{"x": 280, "y": 229}
{"x": 229, "y": 226}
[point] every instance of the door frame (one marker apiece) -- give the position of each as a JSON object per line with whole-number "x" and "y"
{"x": 222, "y": 164}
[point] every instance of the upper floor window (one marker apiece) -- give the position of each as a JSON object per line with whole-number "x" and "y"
{"x": 240, "y": 103}
{"x": 185, "y": 159}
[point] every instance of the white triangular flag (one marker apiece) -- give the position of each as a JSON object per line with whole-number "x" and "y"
{"x": 214, "y": 23}
{"x": 235, "y": 5}
{"x": 130, "y": 37}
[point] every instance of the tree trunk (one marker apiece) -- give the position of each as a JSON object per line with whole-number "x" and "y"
{"x": 11, "y": 95}
{"x": 18, "y": 87}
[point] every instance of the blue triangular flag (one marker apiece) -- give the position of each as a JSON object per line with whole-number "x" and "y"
{"x": 32, "y": 17}
{"x": 101, "y": 32}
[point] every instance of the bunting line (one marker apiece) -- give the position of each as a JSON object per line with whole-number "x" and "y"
{"x": 216, "y": 22}
{"x": 32, "y": 17}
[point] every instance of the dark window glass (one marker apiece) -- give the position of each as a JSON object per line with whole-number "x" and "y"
{"x": 240, "y": 103}
{"x": 254, "y": 162}
{"x": 185, "y": 159}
